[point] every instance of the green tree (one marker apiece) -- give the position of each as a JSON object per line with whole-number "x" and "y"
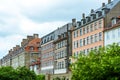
{"x": 26, "y": 74}
{"x": 8, "y": 73}
{"x": 57, "y": 78}
{"x": 102, "y": 64}
{"x": 41, "y": 77}
{"x": 21, "y": 73}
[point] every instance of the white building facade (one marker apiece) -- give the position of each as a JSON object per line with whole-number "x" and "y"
{"x": 112, "y": 35}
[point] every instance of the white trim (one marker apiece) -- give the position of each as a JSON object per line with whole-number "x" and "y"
{"x": 48, "y": 67}
{"x": 59, "y": 71}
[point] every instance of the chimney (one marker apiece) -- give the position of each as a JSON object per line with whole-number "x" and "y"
{"x": 22, "y": 44}
{"x": 10, "y": 51}
{"x": 14, "y": 48}
{"x": 35, "y": 35}
{"x": 109, "y": 1}
{"x": 103, "y": 4}
{"x": 24, "y": 41}
{"x": 29, "y": 38}
{"x": 92, "y": 10}
{"x": 83, "y": 16}
{"x": 73, "y": 20}
{"x": 17, "y": 47}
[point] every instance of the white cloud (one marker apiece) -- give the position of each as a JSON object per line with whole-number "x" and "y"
{"x": 8, "y": 43}
{"x": 15, "y": 23}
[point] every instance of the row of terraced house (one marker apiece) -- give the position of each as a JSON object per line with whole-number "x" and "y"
{"x": 51, "y": 54}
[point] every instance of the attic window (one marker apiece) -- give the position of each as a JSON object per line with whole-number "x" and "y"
{"x": 48, "y": 39}
{"x": 51, "y": 37}
{"x": 45, "y": 41}
{"x": 113, "y": 21}
{"x": 31, "y": 48}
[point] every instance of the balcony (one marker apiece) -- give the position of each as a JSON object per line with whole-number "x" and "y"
{"x": 60, "y": 71}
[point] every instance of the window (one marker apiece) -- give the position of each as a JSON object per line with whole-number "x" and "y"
{"x": 51, "y": 37}
{"x": 95, "y": 25}
{"x": 87, "y": 51}
{"x": 87, "y": 29}
{"x": 88, "y": 40}
{"x": 91, "y": 49}
{"x": 62, "y": 54}
{"x": 113, "y": 34}
{"x": 107, "y": 36}
{"x": 58, "y": 65}
{"x": 58, "y": 55}
{"x": 77, "y": 33}
{"x": 31, "y": 48}
{"x": 47, "y": 39}
{"x": 74, "y": 45}
{"x": 61, "y": 43}
{"x": 74, "y": 54}
{"x": 113, "y": 22}
{"x": 91, "y": 27}
{"x": 80, "y": 32}
{"x": 77, "y": 44}
{"x": 84, "y": 42}
{"x": 100, "y": 46}
{"x": 77, "y": 54}
{"x": 74, "y": 34}
{"x": 80, "y": 42}
{"x": 91, "y": 38}
{"x": 84, "y": 30}
{"x": 118, "y": 32}
{"x": 100, "y": 25}
{"x": 100, "y": 36}
{"x": 62, "y": 64}
{"x": 95, "y": 47}
{"x": 95, "y": 37}
{"x": 56, "y": 46}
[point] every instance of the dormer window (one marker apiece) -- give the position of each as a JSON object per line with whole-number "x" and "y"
{"x": 105, "y": 10}
{"x": 83, "y": 21}
{"x": 98, "y": 14}
{"x": 74, "y": 22}
{"x": 79, "y": 23}
{"x": 45, "y": 41}
{"x": 88, "y": 19}
{"x": 114, "y": 21}
{"x": 48, "y": 39}
{"x": 51, "y": 37}
{"x": 94, "y": 16}
{"x": 31, "y": 48}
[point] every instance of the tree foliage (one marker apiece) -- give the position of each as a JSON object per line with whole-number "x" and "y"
{"x": 21, "y": 73}
{"x": 102, "y": 64}
{"x": 40, "y": 77}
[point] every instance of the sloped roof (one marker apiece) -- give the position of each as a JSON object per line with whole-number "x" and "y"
{"x": 34, "y": 42}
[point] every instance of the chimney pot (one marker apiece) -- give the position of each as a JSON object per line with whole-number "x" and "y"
{"x": 92, "y": 10}
{"x": 83, "y": 15}
{"x": 103, "y": 4}
{"x": 73, "y": 20}
{"x": 109, "y": 1}
{"x": 35, "y": 35}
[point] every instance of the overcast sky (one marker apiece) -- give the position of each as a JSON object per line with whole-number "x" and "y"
{"x": 19, "y": 18}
